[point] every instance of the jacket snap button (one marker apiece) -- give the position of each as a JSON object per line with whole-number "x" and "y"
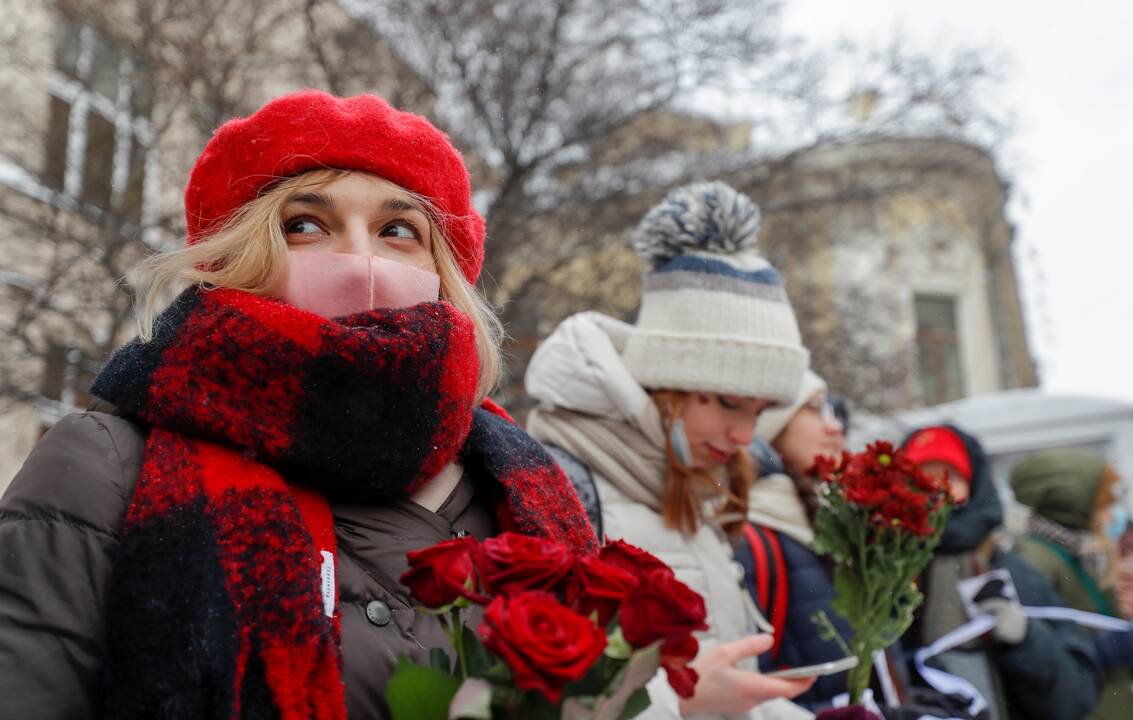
{"x": 377, "y": 612}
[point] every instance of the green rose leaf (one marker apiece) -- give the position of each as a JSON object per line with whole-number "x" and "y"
{"x": 635, "y": 705}
{"x": 628, "y": 683}
{"x": 439, "y": 660}
{"x": 420, "y": 693}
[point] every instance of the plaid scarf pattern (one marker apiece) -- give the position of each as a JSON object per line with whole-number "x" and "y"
{"x": 258, "y": 414}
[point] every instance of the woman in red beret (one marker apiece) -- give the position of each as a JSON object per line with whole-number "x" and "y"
{"x": 223, "y": 535}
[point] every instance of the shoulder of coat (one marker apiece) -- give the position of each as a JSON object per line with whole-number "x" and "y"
{"x": 82, "y": 473}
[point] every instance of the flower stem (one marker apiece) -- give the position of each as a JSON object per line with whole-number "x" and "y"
{"x": 458, "y": 642}
{"x": 859, "y": 676}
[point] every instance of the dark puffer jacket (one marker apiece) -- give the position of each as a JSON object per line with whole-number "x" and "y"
{"x": 68, "y": 503}
{"x": 1053, "y": 674}
{"x": 1063, "y": 486}
{"x": 810, "y": 589}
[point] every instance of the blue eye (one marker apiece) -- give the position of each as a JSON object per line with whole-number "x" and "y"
{"x": 401, "y": 229}
{"x": 301, "y": 226}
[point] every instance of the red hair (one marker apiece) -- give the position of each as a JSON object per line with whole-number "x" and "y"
{"x": 682, "y": 507}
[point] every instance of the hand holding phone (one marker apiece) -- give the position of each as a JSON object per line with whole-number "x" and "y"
{"x": 826, "y": 668}
{"x": 725, "y": 689}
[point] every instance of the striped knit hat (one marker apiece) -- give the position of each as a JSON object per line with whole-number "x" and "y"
{"x": 714, "y": 316}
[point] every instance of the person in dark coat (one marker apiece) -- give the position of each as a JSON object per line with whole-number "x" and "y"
{"x": 224, "y": 535}
{"x": 781, "y": 511}
{"x": 1071, "y": 538}
{"x": 1026, "y": 669}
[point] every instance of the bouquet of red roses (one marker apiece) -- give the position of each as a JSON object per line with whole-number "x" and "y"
{"x": 562, "y": 635}
{"x": 879, "y": 517}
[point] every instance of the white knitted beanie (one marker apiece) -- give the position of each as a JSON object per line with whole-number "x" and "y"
{"x": 714, "y": 316}
{"x": 774, "y": 421}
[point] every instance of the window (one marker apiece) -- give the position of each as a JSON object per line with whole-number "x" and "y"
{"x": 938, "y": 349}
{"x": 98, "y": 133}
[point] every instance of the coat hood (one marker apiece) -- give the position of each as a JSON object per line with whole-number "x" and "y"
{"x": 1060, "y": 485}
{"x": 579, "y": 368}
{"x": 971, "y": 523}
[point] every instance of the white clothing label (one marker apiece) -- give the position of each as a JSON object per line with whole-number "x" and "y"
{"x": 327, "y": 584}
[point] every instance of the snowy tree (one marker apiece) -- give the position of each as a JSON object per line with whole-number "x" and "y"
{"x": 574, "y": 116}
{"x": 583, "y": 112}
{"x": 112, "y": 101}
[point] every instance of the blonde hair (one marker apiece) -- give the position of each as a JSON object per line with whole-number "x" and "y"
{"x": 249, "y": 252}
{"x": 682, "y": 507}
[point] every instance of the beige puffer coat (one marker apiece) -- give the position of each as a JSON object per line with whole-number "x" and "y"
{"x": 592, "y": 408}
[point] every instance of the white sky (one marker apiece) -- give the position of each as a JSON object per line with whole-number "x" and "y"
{"x": 1071, "y": 84}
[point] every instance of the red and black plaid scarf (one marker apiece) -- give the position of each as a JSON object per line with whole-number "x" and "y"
{"x": 258, "y": 412}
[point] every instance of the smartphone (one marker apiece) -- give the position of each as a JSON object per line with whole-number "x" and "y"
{"x": 826, "y": 668}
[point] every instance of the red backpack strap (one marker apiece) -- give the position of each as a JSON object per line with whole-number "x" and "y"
{"x": 770, "y": 579}
{"x": 759, "y": 562}
{"x": 780, "y": 596}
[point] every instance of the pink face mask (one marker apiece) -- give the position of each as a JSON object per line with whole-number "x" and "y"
{"x": 337, "y": 284}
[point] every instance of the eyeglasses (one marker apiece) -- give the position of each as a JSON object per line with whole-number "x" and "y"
{"x": 826, "y": 410}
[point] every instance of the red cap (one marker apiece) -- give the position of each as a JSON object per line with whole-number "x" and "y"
{"x": 309, "y": 130}
{"x": 939, "y": 444}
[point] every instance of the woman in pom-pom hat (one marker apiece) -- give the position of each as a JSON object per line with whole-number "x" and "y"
{"x": 653, "y": 420}
{"x": 225, "y": 537}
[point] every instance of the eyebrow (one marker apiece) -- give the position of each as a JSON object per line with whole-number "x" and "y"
{"x": 401, "y": 205}
{"x": 315, "y": 198}
{"x": 390, "y": 205}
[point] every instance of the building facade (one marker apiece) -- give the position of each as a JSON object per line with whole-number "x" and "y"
{"x": 111, "y": 103}
{"x": 896, "y": 253}
{"x": 898, "y": 258}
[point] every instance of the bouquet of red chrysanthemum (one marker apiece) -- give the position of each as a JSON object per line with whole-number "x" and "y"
{"x": 562, "y": 635}
{"x": 879, "y": 517}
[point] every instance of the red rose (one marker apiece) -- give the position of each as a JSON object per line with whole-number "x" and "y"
{"x": 629, "y": 557}
{"x": 597, "y": 586}
{"x": 662, "y": 608}
{"x": 441, "y": 574}
{"x": 546, "y": 645}
{"x": 675, "y": 657}
{"x": 511, "y": 563}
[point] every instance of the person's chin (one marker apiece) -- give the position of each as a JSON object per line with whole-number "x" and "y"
{"x": 715, "y": 457}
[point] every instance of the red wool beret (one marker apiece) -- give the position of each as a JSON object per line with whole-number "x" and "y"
{"x": 939, "y": 444}
{"x": 309, "y": 130}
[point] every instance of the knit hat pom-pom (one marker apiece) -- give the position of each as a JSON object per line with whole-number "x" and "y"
{"x": 707, "y": 217}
